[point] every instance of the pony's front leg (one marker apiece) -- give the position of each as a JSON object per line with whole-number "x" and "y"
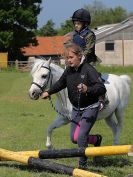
{"x": 60, "y": 121}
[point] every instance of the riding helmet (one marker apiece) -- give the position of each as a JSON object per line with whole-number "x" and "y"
{"x": 82, "y": 15}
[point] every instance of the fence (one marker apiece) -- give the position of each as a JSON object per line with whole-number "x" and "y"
{"x": 19, "y": 65}
{"x": 24, "y": 65}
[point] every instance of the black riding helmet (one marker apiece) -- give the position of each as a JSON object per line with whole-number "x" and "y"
{"x": 82, "y": 15}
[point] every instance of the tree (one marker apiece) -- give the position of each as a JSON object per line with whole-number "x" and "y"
{"x": 102, "y": 15}
{"x": 18, "y": 20}
{"x": 118, "y": 14}
{"x": 66, "y": 27}
{"x": 47, "y": 30}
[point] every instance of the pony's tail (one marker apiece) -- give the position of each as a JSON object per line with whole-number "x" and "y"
{"x": 127, "y": 79}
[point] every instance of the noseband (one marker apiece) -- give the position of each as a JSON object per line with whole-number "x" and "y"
{"x": 44, "y": 86}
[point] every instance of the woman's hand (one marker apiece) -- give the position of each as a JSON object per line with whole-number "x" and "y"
{"x": 82, "y": 88}
{"x": 44, "y": 95}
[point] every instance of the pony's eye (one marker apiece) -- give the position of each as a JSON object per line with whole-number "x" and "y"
{"x": 44, "y": 76}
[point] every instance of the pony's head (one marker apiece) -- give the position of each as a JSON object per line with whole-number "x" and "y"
{"x": 41, "y": 76}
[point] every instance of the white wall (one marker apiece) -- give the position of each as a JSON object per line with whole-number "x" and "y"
{"x": 122, "y": 54}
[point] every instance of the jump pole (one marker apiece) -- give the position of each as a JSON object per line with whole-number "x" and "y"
{"x": 46, "y": 164}
{"x": 109, "y": 150}
{"x": 90, "y": 151}
{"x": 130, "y": 154}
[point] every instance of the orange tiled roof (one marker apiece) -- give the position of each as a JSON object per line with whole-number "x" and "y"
{"x": 46, "y": 46}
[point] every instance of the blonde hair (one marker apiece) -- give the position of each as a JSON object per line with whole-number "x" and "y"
{"x": 74, "y": 48}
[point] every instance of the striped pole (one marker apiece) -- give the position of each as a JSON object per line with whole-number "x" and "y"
{"x": 90, "y": 151}
{"x": 109, "y": 150}
{"x": 46, "y": 164}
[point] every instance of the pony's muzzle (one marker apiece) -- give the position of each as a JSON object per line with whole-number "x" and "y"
{"x": 34, "y": 95}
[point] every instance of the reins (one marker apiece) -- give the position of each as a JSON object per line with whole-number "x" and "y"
{"x": 69, "y": 118}
{"x": 52, "y": 105}
{"x": 56, "y": 110}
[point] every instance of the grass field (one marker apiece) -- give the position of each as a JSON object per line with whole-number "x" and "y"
{"x": 23, "y": 125}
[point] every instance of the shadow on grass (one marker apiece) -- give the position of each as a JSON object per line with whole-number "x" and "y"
{"x": 111, "y": 162}
{"x": 29, "y": 168}
{"x": 19, "y": 166}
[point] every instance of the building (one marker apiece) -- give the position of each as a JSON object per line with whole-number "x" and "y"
{"x": 115, "y": 43}
{"x": 47, "y": 47}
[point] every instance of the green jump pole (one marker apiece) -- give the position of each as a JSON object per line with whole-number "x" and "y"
{"x": 46, "y": 164}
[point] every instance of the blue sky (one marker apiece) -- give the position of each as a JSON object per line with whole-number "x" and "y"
{"x": 61, "y": 10}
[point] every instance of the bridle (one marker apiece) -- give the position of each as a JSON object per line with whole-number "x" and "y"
{"x": 42, "y": 88}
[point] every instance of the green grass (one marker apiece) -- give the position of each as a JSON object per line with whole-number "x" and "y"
{"x": 115, "y": 69}
{"x": 23, "y": 125}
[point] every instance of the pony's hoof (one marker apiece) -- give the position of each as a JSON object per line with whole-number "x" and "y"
{"x": 50, "y": 147}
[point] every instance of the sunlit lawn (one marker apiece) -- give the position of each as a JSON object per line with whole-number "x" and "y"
{"x": 24, "y": 122}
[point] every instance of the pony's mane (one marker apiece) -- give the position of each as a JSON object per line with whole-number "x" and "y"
{"x": 36, "y": 66}
{"x": 56, "y": 67}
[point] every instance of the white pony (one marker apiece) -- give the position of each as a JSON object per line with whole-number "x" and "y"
{"x": 45, "y": 73}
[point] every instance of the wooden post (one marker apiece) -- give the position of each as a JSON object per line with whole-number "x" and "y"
{"x": 17, "y": 64}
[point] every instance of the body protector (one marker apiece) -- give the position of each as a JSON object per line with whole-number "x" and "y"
{"x": 79, "y": 37}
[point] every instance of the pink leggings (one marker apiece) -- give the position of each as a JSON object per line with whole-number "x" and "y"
{"x": 81, "y": 127}
{"x": 91, "y": 139}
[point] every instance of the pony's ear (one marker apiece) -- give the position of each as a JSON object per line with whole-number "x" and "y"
{"x": 49, "y": 61}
